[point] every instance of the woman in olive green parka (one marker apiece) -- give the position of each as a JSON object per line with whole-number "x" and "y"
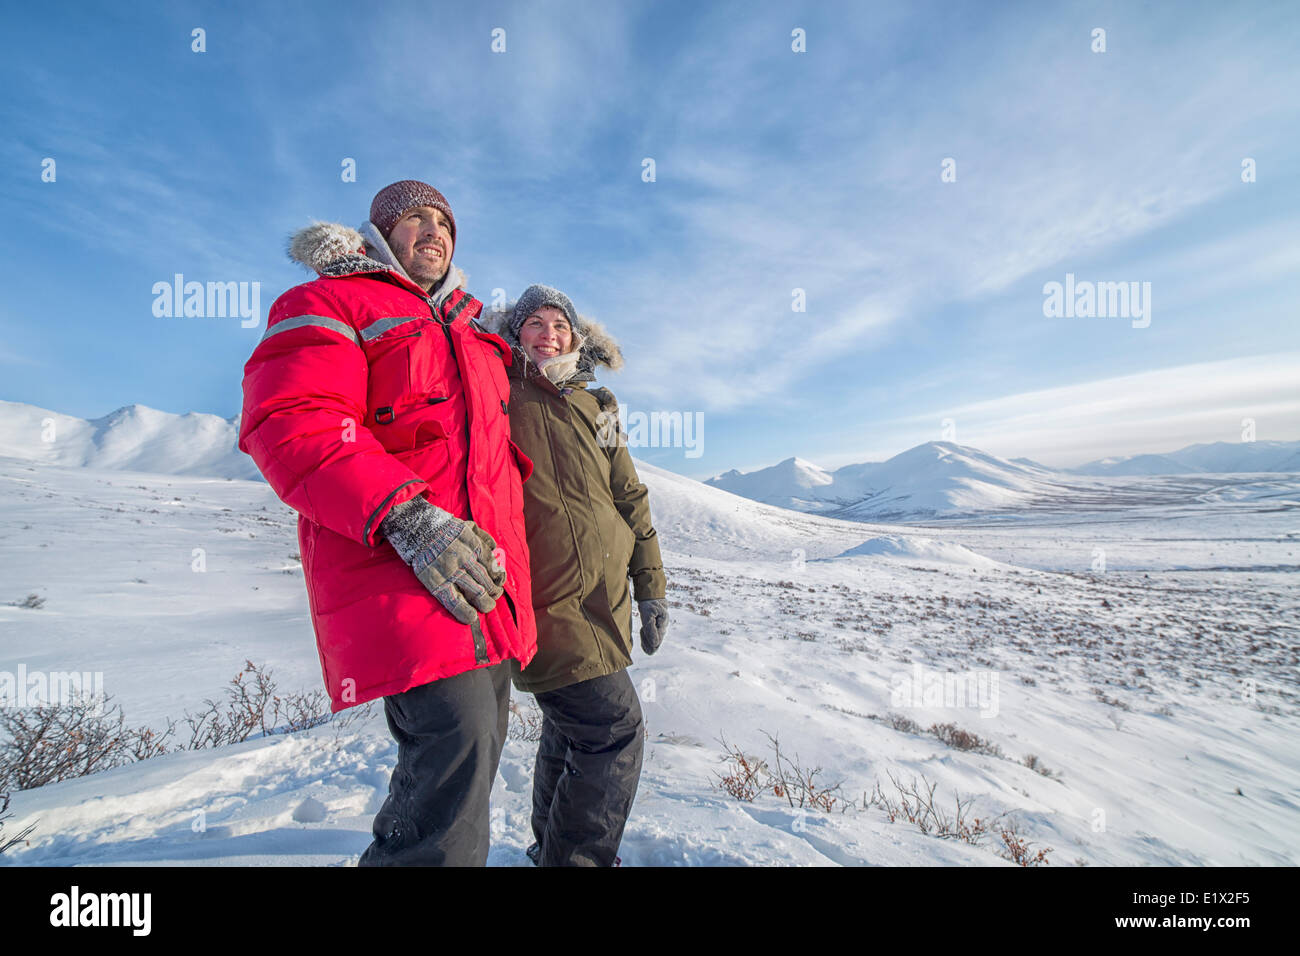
{"x": 587, "y": 519}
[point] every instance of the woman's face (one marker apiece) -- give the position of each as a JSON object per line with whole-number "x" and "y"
{"x": 545, "y": 333}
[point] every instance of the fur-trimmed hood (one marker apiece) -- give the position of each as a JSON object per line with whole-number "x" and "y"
{"x": 333, "y": 249}
{"x": 595, "y": 346}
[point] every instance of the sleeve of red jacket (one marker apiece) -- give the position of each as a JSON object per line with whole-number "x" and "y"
{"x": 304, "y": 419}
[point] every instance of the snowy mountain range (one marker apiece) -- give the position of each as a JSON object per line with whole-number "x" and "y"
{"x": 1216, "y": 458}
{"x": 933, "y": 479}
{"x": 944, "y": 478}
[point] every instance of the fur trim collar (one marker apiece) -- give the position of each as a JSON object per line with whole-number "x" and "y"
{"x": 595, "y": 346}
{"x": 333, "y": 249}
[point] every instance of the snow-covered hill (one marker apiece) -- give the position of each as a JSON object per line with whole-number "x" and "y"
{"x": 942, "y": 478}
{"x": 1124, "y": 683}
{"x": 793, "y": 483}
{"x": 932, "y": 479}
{"x": 1216, "y": 458}
{"x": 1113, "y": 620}
{"x": 132, "y": 438}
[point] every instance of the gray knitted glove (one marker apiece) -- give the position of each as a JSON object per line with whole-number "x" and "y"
{"x": 452, "y": 558}
{"x": 654, "y": 622}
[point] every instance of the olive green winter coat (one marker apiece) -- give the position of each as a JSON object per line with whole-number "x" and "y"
{"x": 587, "y": 518}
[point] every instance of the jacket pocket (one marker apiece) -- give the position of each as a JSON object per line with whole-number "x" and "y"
{"x": 616, "y": 570}
{"x": 523, "y": 461}
{"x": 625, "y": 544}
{"x": 408, "y": 422}
{"x": 389, "y": 356}
{"x": 429, "y": 460}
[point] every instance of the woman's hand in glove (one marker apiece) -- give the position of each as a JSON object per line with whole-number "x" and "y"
{"x": 654, "y": 622}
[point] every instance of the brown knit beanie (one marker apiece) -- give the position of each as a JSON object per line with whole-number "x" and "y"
{"x": 392, "y": 201}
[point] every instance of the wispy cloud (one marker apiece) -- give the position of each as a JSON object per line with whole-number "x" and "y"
{"x": 776, "y": 171}
{"x": 1056, "y": 162}
{"x": 10, "y": 357}
{"x": 1158, "y": 410}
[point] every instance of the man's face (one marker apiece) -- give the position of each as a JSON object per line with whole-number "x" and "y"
{"x": 421, "y": 240}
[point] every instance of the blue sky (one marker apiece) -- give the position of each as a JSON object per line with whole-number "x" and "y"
{"x": 775, "y": 171}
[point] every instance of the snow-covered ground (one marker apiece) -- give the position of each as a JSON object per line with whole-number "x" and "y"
{"x": 1142, "y": 647}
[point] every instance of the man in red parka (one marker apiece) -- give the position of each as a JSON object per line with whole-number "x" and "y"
{"x": 376, "y": 407}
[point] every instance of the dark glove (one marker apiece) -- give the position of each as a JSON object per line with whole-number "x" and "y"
{"x": 654, "y": 622}
{"x": 453, "y": 559}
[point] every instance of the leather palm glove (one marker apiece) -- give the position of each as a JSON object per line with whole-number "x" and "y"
{"x": 654, "y": 622}
{"x": 452, "y": 558}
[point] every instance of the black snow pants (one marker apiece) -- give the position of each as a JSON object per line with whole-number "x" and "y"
{"x": 449, "y": 736}
{"x": 588, "y": 767}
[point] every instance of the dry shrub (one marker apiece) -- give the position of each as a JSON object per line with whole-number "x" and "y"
{"x": 253, "y": 708}
{"x": 786, "y": 777}
{"x": 959, "y": 739}
{"x": 46, "y": 743}
{"x": 8, "y": 843}
{"x": 902, "y": 724}
{"x": 915, "y": 803}
{"x": 1017, "y": 849}
{"x": 746, "y": 776}
{"x": 1037, "y": 766}
{"x": 798, "y": 784}
{"x": 525, "y": 725}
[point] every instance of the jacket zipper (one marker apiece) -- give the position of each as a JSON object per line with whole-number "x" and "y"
{"x": 476, "y": 628}
{"x": 550, "y": 441}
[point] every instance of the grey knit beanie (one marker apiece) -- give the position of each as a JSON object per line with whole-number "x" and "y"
{"x": 536, "y": 296}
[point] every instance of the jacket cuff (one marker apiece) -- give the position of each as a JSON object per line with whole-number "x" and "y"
{"x": 414, "y": 526}
{"x": 371, "y": 534}
{"x": 648, "y": 586}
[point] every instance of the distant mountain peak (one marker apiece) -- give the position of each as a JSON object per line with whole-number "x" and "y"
{"x": 1220, "y": 457}
{"x": 934, "y": 477}
{"x": 130, "y": 438}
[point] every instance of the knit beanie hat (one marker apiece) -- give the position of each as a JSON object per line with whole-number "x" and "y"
{"x": 536, "y": 296}
{"x": 392, "y": 201}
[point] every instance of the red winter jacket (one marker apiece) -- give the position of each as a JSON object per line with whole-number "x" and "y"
{"x": 362, "y": 394}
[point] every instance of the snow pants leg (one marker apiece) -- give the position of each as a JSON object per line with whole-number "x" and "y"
{"x": 588, "y": 768}
{"x": 449, "y": 736}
